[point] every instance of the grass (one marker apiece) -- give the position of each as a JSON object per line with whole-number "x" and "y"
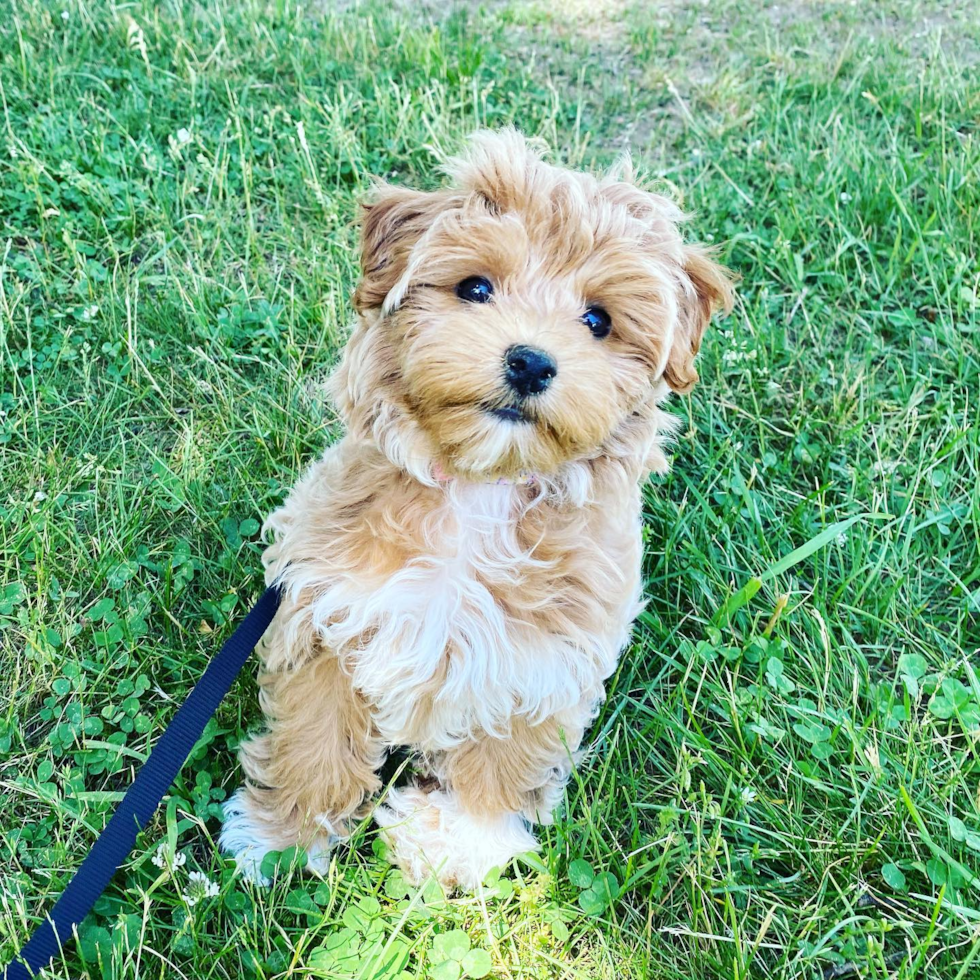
{"x": 785, "y": 780}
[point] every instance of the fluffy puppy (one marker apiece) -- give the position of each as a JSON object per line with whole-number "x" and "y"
{"x": 461, "y": 571}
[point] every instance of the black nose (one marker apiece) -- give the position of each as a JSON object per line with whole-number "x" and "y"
{"x": 528, "y": 370}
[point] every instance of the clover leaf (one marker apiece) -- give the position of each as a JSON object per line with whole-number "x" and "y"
{"x": 894, "y": 876}
{"x": 580, "y": 873}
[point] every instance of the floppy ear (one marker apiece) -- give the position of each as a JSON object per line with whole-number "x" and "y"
{"x": 706, "y": 287}
{"x": 392, "y": 221}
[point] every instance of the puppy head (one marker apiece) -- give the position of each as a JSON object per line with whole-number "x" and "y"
{"x": 519, "y": 318}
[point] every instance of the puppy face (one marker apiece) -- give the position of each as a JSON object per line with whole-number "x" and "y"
{"x": 520, "y": 317}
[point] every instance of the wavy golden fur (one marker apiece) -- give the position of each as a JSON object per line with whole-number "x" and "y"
{"x": 435, "y": 597}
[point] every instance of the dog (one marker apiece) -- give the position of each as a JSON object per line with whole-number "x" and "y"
{"x": 460, "y": 572}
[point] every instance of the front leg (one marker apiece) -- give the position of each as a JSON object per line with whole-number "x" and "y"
{"x": 488, "y": 791}
{"x": 310, "y": 774}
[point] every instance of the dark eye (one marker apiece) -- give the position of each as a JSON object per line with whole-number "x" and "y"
{"x": 476, "y": 289}
{"x": 597, "y": 320}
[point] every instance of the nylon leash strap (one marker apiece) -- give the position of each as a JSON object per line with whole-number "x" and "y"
{"x": 142, "y": 798}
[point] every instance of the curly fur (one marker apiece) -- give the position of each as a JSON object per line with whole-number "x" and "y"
{"x": 433, "y": 599}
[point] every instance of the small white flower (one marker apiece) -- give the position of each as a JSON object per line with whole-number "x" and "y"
{"x": 199, "y": 887}
{"x": 165, "y": 860}
{"x": 64, "y": 15}
{"x": 39, "y": 496}
{"x": 183, "y": 136}
{"x": 844, "y": 197}
{"x": 90, "y": 311}
{"x": 842, "y": 539}
{"x": 748, "y": 795}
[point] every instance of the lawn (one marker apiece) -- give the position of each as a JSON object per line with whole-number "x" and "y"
{"x": 785, "y": 779}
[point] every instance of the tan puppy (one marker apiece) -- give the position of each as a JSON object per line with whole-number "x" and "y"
{"x": 462, "y": 569}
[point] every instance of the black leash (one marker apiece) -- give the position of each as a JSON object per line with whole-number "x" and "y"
{"x": 144, "y": 796}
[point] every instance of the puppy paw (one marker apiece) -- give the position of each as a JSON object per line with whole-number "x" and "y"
{"x": 246, "y": 835}
{"x": 429, "y": 835}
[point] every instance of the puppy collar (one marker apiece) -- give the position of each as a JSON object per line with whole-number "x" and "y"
{"x": 521, "y": 480}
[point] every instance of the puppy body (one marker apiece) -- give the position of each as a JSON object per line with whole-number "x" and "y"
{"x": 435, "y": 595}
